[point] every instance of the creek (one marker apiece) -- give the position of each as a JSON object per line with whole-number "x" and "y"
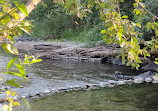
{"x": 63, "y": 73}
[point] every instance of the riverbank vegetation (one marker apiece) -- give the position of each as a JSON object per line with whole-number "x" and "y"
{"x": 51, "y": 22}
{"x": 127, "y": 23}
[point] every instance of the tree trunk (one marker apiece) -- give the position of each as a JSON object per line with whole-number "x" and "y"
{"x": 31, "y": 4}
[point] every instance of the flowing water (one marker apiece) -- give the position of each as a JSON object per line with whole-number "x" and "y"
{"x": 62, "y": 73}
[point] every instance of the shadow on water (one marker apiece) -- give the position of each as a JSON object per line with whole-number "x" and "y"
{"x": 120, "y": 98}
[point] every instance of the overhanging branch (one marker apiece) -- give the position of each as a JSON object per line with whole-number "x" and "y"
{"x": 146, "y": 9}
{"x": 31, "y": 4}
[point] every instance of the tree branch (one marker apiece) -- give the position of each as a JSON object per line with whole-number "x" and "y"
{"x": 146, "y": 9}
{"x": 31, "y": 4}
{"x": 154, "y": 26}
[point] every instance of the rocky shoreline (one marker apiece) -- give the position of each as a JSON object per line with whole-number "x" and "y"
{"x": 100, "y": 54}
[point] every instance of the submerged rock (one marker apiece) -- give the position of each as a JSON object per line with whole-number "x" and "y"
{"x": 138, "y": 80}
{"x": 111, "y": 83}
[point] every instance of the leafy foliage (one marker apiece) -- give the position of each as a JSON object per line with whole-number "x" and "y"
{"x": 119, "y": 28}
{"x": 11, "y": 26}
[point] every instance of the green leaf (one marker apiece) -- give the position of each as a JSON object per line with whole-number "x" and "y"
{"x": 22, "y": 8}
{"x": 11, "y": 63}
{"x": 21, "y": 69}
{"x": 103, "y": 31}
{"x": 1, "y": 14}
{"x": 155, "y": 62}
{"x": 139, "y": 25}
{"x": 12, "y": 82}
{"x": 125, "y": 16}
{"x": 137, "y": 12}
{"x": 11, "y": 39}
{"x": 35, "y": 60}
{"x": 16, "y": 74}
{"x": 9, "y": 48}
{"x": 5, "y": 20}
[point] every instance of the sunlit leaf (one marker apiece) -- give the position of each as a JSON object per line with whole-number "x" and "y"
{"x": 11, "y": 63}
{"x": 125, "y": 16}
{"x": 22, "y": 8}
{"x": 103, "y": 31}
{"x": 14, "y": 73}
{"x": 16, "y": 104}
{"x": 5, "y": 20}
{"x": 35, "y": 60}
{"x": 139, "y": 25}
{"x": 21, "y": 69}
{"x": 9, "y": 48}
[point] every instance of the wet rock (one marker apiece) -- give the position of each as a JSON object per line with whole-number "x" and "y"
{"x": 94, "y": 59}
{"x": 138, "y": 80}
{"x": 151, "y": 66}
{"x": 155, "y": 78}
{"x": 117, "y": 61}
{"x": 111, "y": 83}
{"x": 130, "y": 81}
{"x": 145, "y": 75}
{"x": 120, "y": 76}
{"x": 155, "y": 82}
{"x": 148, "y": 79}
{"x": 103, "y": 84}
{"x": 120, "y": 82}
{"x": 46, "y": 91}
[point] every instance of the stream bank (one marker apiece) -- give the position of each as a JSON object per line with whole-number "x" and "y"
{"x": 69, "y": 67}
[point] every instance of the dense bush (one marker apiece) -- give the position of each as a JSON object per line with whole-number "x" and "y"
{"x": 51, "y": 22}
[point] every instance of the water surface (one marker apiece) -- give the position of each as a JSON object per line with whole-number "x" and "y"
{"x": 121, "y": 98}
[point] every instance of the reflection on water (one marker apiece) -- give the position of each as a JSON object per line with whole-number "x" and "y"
{"x": 66, "y": 69}
{"x": 121, "y": 98}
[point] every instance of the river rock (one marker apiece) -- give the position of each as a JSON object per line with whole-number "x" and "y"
{"x": 120, "y": 82}
{"x": 155, "y": 78}
{"x": 150, "y": 66}
{"x": 117, "y": 61}
{"x": 103, "y": 84}
{"x": 155, "y": 82}
{"x": 138, "y": 80}
{"x": 130, "y": 81}
{"x": 46, "y": 91}
{"x": 148, "y": 79}
{"x": 145, "y": 75}
{"x": 111, "y": 83}
{"x": 120, "y": 76}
